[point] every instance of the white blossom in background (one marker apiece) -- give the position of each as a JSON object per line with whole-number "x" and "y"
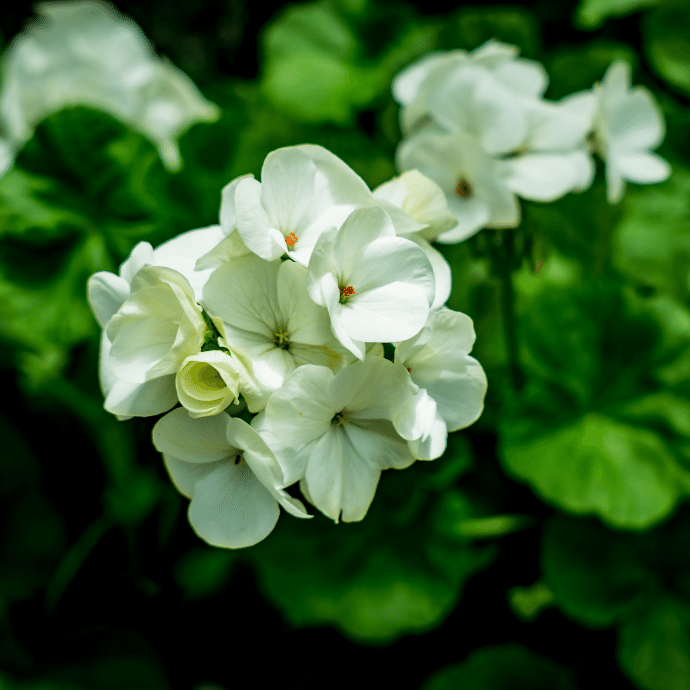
{"x": 231, "y": 476}
{"x": 438, "y": 361}
{"x": 336, "y": 434}
{"x": 477, "y": 124}
{"x": 87, "y": 53}
{"x": 475, "y": 184}
{"x": 495, "y": 64}
{"x": 628, "y": 124}
{"x": 377, "y": 287}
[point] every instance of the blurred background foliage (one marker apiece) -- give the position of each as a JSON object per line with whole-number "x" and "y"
{"x": 548, "y": 548}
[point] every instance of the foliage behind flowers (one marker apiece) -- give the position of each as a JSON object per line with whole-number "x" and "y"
{"x": 297, "y": 317}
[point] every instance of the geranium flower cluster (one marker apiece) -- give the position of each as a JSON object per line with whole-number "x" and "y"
{"x": 87, "y": 53}
{"x": 477, "y": 124}
{"x": 268, "y": 330}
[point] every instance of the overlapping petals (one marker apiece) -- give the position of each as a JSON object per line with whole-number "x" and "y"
{"x": 231, "y": 476}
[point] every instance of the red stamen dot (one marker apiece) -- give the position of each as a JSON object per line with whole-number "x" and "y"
{"x": 291, "y": 240}
{"x": 409, "y": 369}
{"x": 347, "y": 291}
{"x": 463, "y": 188}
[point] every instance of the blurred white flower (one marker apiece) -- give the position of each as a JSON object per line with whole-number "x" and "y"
{"x": 474, "y": 84}
{"x": 87, "y": 53}
{"x": 474, "y": 183}
{"x": 628, "y": 124}
{"x": 232, "y": 477}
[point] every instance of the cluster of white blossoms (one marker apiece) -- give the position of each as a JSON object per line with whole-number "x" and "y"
{"x": 87, "y": 53}
{"x": 281, "y": 311}
{"x": 477, "y": 124}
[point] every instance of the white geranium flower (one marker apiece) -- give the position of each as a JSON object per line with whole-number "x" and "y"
{"x": 336, "y": 432}
{"x": 157, "y": 327}
{"x": 438, "y": 361}
{"x": 303, "y": 190}
{"x": 267, "y": 313}
{"x": 231, "y": 476}
{"x": 553, "y": 159}
{"x": 628, "y": 125}
{"x": 418, "y": 86}
{"x": 474, "y": 183}
{"x": 376, "y": 286}
{"x": 107, "y": 292}
{"x": 86, "y": 53}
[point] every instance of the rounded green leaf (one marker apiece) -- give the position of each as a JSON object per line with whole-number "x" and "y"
{"x": 668, "y": 44}
{"x": 504, "y": 667}
{"x": 654, "y": 646}
{"x": 598, "y": 465}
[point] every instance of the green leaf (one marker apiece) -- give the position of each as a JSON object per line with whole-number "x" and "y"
{"x": 472, "y": 26}
{"x": 668, "y": 44}
{"x": 595, "y": 574}
{"x": 503, "y": 667}
{"x": 654, "y": 646}
{"x": 528, "y": 602}
{"x": 400, "y": 570}
{"x": 203, "y": 571}
{"x": 591, "y": 13}
{"x": 592, "y": 60}
{"x": 311, "y": 66}
{"x": 571, "y": 433}
{"x": 651, "y": 243}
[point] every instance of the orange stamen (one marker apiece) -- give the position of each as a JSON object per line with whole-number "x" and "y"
{"x": 409, "y": 369}
{"x": 291, "y": 240}
{"x": 347, "y": 291}
{"x": 463, "y": 188}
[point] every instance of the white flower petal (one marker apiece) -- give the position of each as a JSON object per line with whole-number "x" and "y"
{"x": 231, "y": 508}
{"x": 300, "y": 411}
{"x": 442, "y": 272}
{"x": 642, "y": 167}
{"x": 545, "y": 176}
{"x": 227, "y": 205}
{"x": 106, "y": 293}
{"x": 256, "y": 228}
{"x": 385, "y": 314}
{"x": 198, "y": 440}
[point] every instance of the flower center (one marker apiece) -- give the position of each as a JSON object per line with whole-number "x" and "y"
{"x": 237, "y": 458}
{"x": 291, "y": 240}
{"x": 345, "y": 292}
{"x": 281, "y": 338}
{"x": 463, "y": 188}
{"x": 210, "y": 377}
{"x": 338, "y": 418}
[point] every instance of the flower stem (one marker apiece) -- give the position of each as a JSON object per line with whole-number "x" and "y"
{"x": 506, "y": 262}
